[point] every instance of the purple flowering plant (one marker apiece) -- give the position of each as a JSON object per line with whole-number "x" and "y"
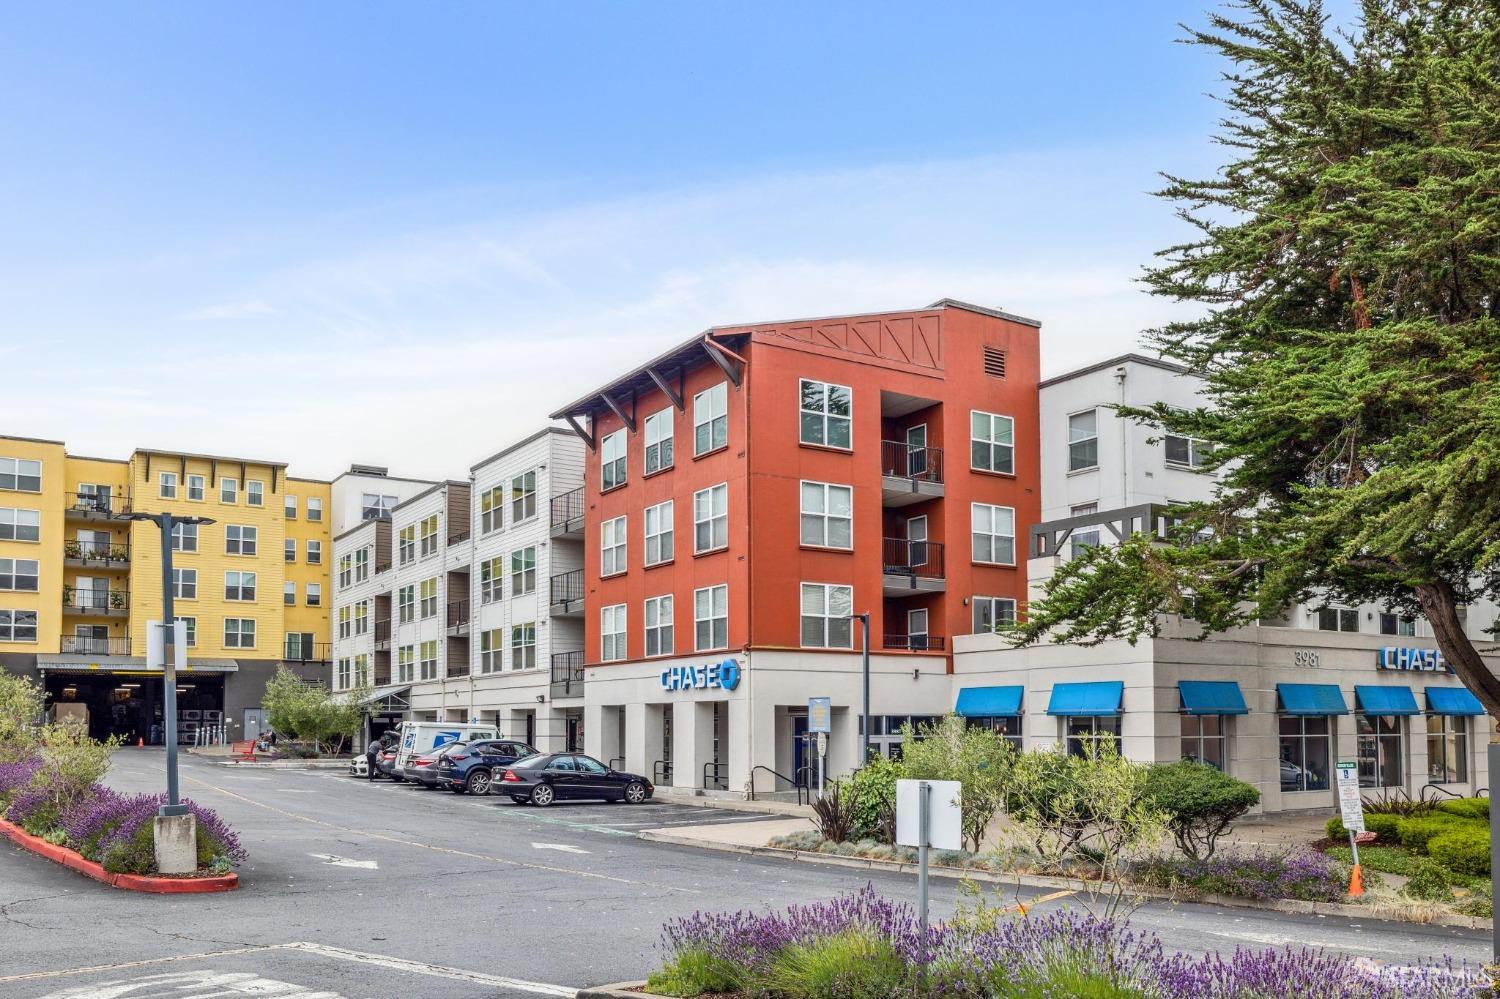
{"x": 1256, "y": 874}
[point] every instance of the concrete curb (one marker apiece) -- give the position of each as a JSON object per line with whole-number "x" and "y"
{"x": 75, "y": 861}
{"x": 1039, "y": 881}
{"x": 619, "y": 990}
{"x": 787, "y": 808}
{"x": 284, "y": 764}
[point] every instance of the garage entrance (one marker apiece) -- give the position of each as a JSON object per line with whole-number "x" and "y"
{"x": 129, "y": 704}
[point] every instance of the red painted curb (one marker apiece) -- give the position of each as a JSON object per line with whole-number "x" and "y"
{"x": 75, "y": 861}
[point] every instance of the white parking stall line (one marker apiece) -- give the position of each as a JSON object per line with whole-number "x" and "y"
{"x": 436, "y": 970}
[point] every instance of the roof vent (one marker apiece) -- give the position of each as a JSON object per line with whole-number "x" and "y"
{"x": 379, "y": 471}
{"x": 994, "y": 362}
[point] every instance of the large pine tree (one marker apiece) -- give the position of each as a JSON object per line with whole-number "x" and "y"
{"x": 1347, "y": 255}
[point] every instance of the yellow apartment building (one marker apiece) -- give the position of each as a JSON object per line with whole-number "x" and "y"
{"x": 79, "y": 581}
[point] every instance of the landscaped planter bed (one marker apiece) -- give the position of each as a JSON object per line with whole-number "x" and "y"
{"x": 157, "y": 884}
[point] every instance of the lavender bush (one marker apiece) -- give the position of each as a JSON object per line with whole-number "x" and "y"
{"x": 1255, "y": 874}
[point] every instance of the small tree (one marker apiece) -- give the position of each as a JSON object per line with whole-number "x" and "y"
{"x": 978, "y": 758}
{"x": 304, "y": 710}
{"x": 20, "y": 717}
{"x": 1200, "y": 803}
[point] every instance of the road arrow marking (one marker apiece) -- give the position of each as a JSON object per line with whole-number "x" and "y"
{"x": 327, "y": 858}
{"x": 561, "y": 847}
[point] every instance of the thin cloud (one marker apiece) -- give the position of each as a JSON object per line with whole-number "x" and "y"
{"x": 229, "y": 310}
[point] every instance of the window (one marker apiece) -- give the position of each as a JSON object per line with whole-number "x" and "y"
{"x": 239, "y": 586}
{"x": 240, "y": 540}
{"x": 362, "y": 564}
{"x": 612, "y": 461}
{"x": 659, "y": 625}
{"x": 255, "y": 493}
{"x": 523, "y": 571}
{"x": 289, "y": 593}
{"x": 491, "y": 571}
{"x": 612, "y": 547}
{"x": 20, "y": 525}
{"x": 1447, "y": 749}
{"x": 314, "y": 508}
{"x": 659, "y": 533}
{"x": 523, "y": 646}
{"x": 17, "y": 625}
{"x": 658, "y": 434}
{"x": 1380, "y": 751}
{"x": 362, "y": 618}
{"x": 491, "y": 648}
{"x": 429, "y": 536}
{"x": 612, "y": 633}
{"x": 166, "y": 485}
{"x": 291, "y": 549}
{"x": 19, "y": 574}
{"x": 429, "y": 597}
{"x": 1395, "y": 624}
{"x": 1082, "y": 539}
{"x": 228, "y": 490}
{"x": 825, "y": 416}
{"x": 190, "y": 625}
{"x": 195, "y": 487}
{"x": 994, "y": 362}
{"x": 315, "y": 553}
{"x": 994, "y": 530}
{"x": 185, "y": 584}
{"x": 21, "y": 474}
{"x": 1203, "y": 739}
{"x": 374, "y": 506}
{"x": 1189, "y": 452}
{"x": 346, "y": 621}
{"x": 825, "y": 616}
{"x": 346, "y": 571}
{"x": 314, "y": 594}
{"x": 827, "y": 515}
{"x": 711, "y": 519}
{"x": 711, "y": 618}
{"x": 289, "y": 507}
{"x": 1094, "y": 730}
{"x": 428, "y": 664}
{"x": 991, "y": 613}
{"x": 711, "y": 419}
{"x": 523, "y": 497}
{"x": 361, "y": 669}
{"x": 491, "y": 509}
{"x": 887, "y": 732}
{"x": 239, "y": 633}
{"x": 406, "y": 605}
{"x": 406, "y": 544}
{"x": 1304, "y": 752}
{"x": 1338, "y": 619}
{"x": 1007, "y": 727}
{"x": 1083, "y": 440}
{"x": 406, "y": 658}
{"x": 992, "y": 442}
{"x": 917, "y": 629}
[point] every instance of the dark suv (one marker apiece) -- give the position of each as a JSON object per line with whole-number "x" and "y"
{"x": 468, "y": 769}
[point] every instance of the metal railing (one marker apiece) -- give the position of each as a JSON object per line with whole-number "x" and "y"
{"x": 459, "y": 538}
{"x": 912, "y": 558}
{"x": 458, "y": 614}
{"x": 913, "y": 643}
{"x": 799, "y": 788}
{"x": 661, "y": 772}
{"x": 720, "y": 781}
{"x": 86, "y": 645}
{"x": 307, "y": 652}
{"x": 567, "y": 512}
{"x": 567, "y": 587}
{"x": 457, "y": 670}
{"x": 95, "y": 505}
{"x": 567, "y": 674}
{"x": 383, "y": 630}
{"x": 95, "y": 600}
{"x": 906, "y": 461}
{"x": 99, "y": 552}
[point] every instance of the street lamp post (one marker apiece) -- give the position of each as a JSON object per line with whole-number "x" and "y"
{"x": 167, "y": 522}
{"x": 864, "y": 647}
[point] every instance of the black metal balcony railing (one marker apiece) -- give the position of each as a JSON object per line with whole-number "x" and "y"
{"x": 567, "y": 511}
{"x": 96, "y": 505}
{"x": 459, "y": 538}
{"x": 567, "y": 674}
{"x": 96, "y": 552}
{"x": 308, "y": 652}
{"x": 914, "y": 643}
{"x": 383, "y": 566}
{"x": 95, "y": 600}
{"x": 567, "y": 587}
{"x": 912, "y": 558}
{"x": 908, "y": 461}
{"x": 458, "y": 613}
{"x": 383, "y": 630}
{"x": 87, "y": 645}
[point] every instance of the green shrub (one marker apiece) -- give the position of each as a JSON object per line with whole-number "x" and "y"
{"x": 873, "y": 790}
{"x": 1415, "y": 833}
{"x": 1386, "y": 827}
{"x": 1200, "y": 802}
{"x": 136, "y": 855}
{"x": 1467, "y": 808}
{"x": 1463, "y": 850}
{"x": 848, "y": 965}
{"x": 1389, "y": 859}
{"x": 1429, "y": 882}
{"x": 1478, "y": 904}
{"x": 694, "y": 972}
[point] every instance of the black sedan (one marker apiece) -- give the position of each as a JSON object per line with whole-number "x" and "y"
{"x": 550, "y": 777}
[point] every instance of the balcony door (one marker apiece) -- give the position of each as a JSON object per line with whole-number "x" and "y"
{"x": 92, "y": 496}
{"x": 91, "y": 592}
{"x": 916, "y": 541}
{"x": 916, "y": 629}
{"x": 91, "y": 639}
{"x": 93, "y": 542}
{"x": 916, "y": 450}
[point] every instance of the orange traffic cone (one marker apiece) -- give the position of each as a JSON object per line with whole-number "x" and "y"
{"x": 1356, "y": 883}
{"x": 139, "y": 742}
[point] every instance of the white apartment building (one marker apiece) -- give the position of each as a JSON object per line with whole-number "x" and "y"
{"x": 1276, "y": 703}
{"x": 368, "y": 492}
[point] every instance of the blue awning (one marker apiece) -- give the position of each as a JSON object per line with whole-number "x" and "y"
{"x": 1453, "y": 701}
{"x": 989, "y": 702}
{"x": 1212, "y": 697}
{"x": 1100, "y": 698}
{"x": 1311, "y": 699}
{"x": 1386, "y": 700}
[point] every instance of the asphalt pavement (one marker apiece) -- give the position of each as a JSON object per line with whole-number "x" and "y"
{"x": 357, "y": 890}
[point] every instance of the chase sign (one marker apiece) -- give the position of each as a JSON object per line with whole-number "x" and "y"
{"x": 714, "y": 676}
{"x": 1419, "y": 660}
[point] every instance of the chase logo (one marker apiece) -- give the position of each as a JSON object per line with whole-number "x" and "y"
{"x": 714, "y": 676}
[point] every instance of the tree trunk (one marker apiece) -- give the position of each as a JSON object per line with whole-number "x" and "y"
{"x": 1442, "y": 613}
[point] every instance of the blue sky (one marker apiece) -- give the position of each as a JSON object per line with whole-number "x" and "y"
{"x": 364, "y": 221}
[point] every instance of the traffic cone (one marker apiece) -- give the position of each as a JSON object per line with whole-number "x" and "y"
{"x": 140, "y": 743}
{"x": 1356, "y": 883}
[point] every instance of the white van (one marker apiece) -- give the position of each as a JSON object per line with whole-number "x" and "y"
{"x": 419, "y": 737}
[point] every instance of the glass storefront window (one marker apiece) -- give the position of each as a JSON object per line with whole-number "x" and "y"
{"x": 1009, "y": 728}
{"x": 885, "y": 732}
{"x": 1203, "y": 740}
{"x": 1447, "y": 749}
{"x": 1083, "y": 730}
{"x": 1381, "y": 751}
{"x": 1304, "y": 752}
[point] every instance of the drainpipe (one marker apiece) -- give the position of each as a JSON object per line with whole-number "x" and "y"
{"x": 1124, "y": 439}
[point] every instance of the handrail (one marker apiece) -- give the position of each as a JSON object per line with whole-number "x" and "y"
{"x": 901, "y": 460}
{"x": 904, "y": 557}
{"x": 88, "y": 645}
{"x": 566, "y": 587}
{"x": 1438, "y": 788}
{"x": 87, "y": 551}
{"x": 565, "y": 513}
{"x": 913, "y": 643}
{"x": 719, "y": 780}
{"x": 108, "y": 504}
{"x": 661, "y": 772}
{"x": 458, "y": 613}
{"x": 774, "y": 777}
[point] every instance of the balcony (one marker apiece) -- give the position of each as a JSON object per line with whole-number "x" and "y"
{"x": 567, "y": 594}
{"x": 567, "y": 674}
{"x": 913, "y": 643}
{"x": 383, "y": 635}
{"x": 567, "y": 515}
{"x": 84, "y": 645}
{"x": 297, "y": 651}
{"x": 96, "y": 603}
{"x": 458, "y": 663}
{"x": 458, "y": 537}
{"x": 96, "y": 555}
{"x": 912, "y": 568}
{"x": 94, "y": 506}
{"x": 458, "y": 621}
{"x": 909, "y": 473}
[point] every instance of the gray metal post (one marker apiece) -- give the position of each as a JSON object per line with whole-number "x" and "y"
{"x": 864, "y": 645}
{"x": 169, "y": 668}
{"x": 924, "y": 839}
{"x": 1494, "y": 847}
